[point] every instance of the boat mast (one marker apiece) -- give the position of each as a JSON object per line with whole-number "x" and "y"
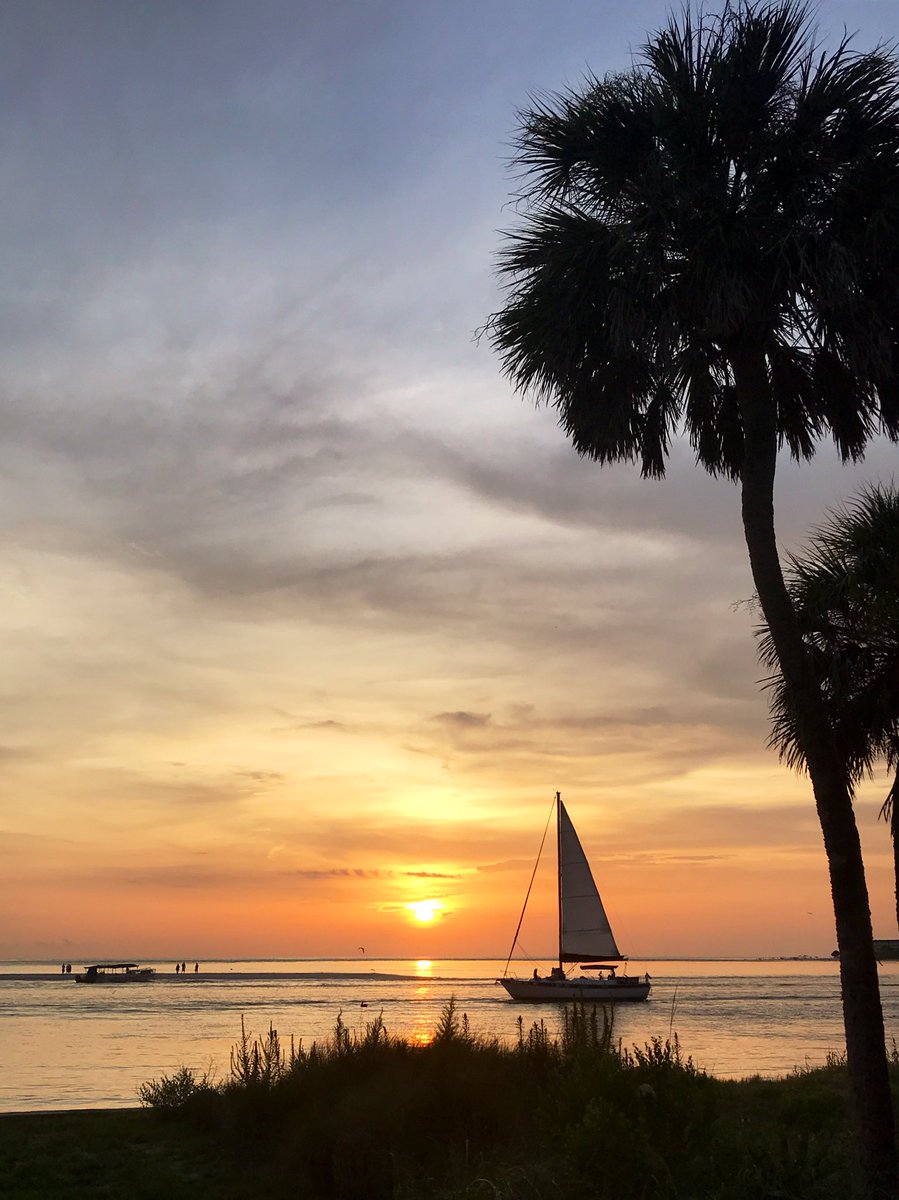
{"x": 559, "y": 866}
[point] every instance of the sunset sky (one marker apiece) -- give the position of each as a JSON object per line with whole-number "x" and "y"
{"x": 305, "y": 614}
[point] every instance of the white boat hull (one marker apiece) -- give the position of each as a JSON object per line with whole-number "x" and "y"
{"x": 588, "y": 991}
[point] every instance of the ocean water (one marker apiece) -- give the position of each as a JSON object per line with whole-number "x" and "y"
{"x": 65, "y": 1045}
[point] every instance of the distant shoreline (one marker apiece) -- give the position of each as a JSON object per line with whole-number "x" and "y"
{"x": 187, "y": 978}
{"x": 53, "y": 965}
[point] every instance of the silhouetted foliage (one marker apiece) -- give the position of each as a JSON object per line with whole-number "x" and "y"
{"x": 708, "y": 246}
{"x": 845, "y": 591}
{"x": 368, "y": 1116}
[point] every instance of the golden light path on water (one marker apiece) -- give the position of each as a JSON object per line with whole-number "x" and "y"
{"x": 76, "y": 1046}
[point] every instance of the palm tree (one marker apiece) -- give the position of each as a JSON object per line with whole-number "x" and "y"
{"x": 845, "y": 592}
{"x": 709, "y": 243}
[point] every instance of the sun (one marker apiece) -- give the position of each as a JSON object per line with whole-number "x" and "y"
{"x": 425, "y": 910}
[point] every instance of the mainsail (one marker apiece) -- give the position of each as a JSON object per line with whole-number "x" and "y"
{"x": 584, "y": 930}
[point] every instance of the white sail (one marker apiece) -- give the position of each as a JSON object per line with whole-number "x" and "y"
{"x": 585, "y": 934}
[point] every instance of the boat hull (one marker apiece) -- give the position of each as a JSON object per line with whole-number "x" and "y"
{"x": 587, "y": 991}
{"x": 144, "y": 976}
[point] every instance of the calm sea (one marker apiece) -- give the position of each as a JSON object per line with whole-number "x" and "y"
{"x": 64, "y": 1045}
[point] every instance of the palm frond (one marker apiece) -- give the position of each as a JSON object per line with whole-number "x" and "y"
{"x": 845, "y": 593}
{"x": 739, "y": 183}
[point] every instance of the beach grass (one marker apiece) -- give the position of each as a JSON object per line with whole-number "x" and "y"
{"x": 371, "y": 1116}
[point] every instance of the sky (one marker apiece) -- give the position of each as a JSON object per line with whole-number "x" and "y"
{"x": 305, "y": 614}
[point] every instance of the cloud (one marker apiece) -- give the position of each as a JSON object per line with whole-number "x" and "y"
{"x": 340, "y": 873}
{"x": 335, "y": 726}
{"x": 463, "y": 720}
{"x": 431, "y": 875}
{"x": 511, "y": 864}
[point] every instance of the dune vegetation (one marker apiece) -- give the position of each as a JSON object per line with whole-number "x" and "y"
{"x": 370, "y": 1116}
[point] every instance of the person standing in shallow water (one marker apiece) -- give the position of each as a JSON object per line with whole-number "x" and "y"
{"x": 196, "y": 968}
{"x": 177, "y": 968}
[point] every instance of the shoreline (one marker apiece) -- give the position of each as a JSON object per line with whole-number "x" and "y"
{"x": 201, "y": 977}
{"x": 70, "y": 1112}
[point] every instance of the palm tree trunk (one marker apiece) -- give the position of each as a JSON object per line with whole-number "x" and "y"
{"x": 862, "y": 1012}
{"x": 891, "y": 807}
{"x": 894, "y": 834}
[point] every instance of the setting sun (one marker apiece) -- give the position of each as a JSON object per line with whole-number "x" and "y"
{"x": 425, "y": 910}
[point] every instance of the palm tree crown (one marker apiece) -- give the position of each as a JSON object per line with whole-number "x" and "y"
{"x": 738, "y": 189}
{"x": 845, "y": 592}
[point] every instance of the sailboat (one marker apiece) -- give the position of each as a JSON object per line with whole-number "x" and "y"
{"x": 585, "y": 936}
